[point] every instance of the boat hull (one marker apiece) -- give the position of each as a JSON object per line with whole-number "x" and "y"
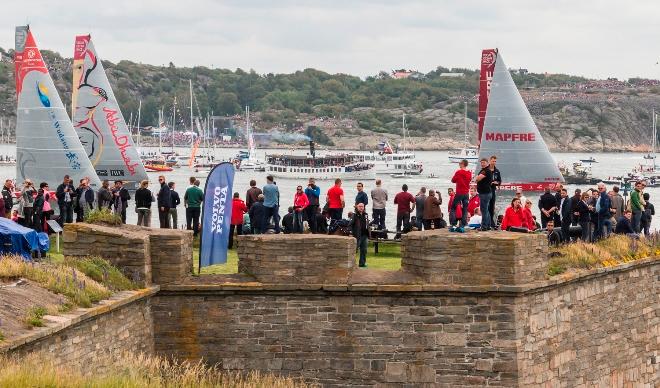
{"x": 151, "y": 168}
{"x": 319, "y": 173}
{"x": 535, "y": 186}
{"x": 458, "y": 158}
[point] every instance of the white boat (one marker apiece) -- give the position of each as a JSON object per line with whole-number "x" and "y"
{"x": 47, "y": 146}
{"x": 471, "y": 154}
{"x": 325, "y": 167}
{"x": 389, "y": 161}
{"x": 98, "y": 120}
{"x": 252, "y": 163}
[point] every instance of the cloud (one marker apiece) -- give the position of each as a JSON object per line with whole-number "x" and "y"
{"x": 591, "y": 38}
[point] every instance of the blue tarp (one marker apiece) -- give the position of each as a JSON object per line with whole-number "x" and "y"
{"x": 20, "y": 240}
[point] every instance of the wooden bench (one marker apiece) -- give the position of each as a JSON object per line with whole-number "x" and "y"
{"x": 378, "y": 240}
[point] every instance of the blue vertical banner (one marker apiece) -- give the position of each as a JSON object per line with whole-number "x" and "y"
{"x": 216, "y": 215}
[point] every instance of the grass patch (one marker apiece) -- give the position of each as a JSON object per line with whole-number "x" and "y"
{"x": 102, "y": 217}
{"x": 132, "y": 371}
{"x": 102, "y": 272}
{"x": 57, "y": 278}
{"x": 614, "y": 250}
{"x": 35, "y": 315}
{"x": 2, "y": 336}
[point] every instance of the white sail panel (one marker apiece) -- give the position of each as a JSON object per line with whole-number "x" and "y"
{"x": 98, "y": 120}
{"x": 47, "y": 146}
{"x": 511, "y": 134}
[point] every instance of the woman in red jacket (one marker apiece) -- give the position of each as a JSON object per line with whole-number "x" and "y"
{"x": 238, "y": 210}
{"x": 527, "y": 215}
{"x": 513, "y": 217}
{"x": 300, "y": 202}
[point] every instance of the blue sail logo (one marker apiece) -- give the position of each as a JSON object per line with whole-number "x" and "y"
{"x": 42, "y": 91}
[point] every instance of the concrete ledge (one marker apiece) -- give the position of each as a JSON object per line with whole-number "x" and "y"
{"x": 57, "y": 323}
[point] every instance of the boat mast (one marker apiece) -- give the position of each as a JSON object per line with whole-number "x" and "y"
{"x": 173, "y": 123}
{"x": 138, "y": 124}
{"x": 160, "y": 131}
{"x": 192, "y": 126}
{"x": 655, "y": 134}
{"x": 403, "y": 128}
{"x": 465, "y": 124}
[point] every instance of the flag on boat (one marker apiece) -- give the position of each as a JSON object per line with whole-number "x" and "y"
{"x": 47, "y": 146}
{"x": 216, "y": 215}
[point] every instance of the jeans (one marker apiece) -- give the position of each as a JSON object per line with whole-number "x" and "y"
{"x": 604, "y": 221}
{"x": 463, "y": 198}
{"x": 362, "y": 243}
{"x": 174, "y": 215}
{"x": 336, "y": 213}
{"x": 66, "y": 213}
{"x": 402, "y": 218}
{"x": 164, "y": 218}
{"x": 484, "y": 202}
{"x": 636, "y": 220}
{"x": 297, "y": 222}
{"x": 310, "y": 213}
{"x": 27, "y": 217}
{"x": 192, "y": 219}
{"x": 144, "y": 217}
{"x": 491, "y": 210}
{"x": 379, "y": 218}
{"x": 239, "y": 231}
{"x": 419, "y": 221}
{"x": 274, "y": 213}
{"x": 566, "y": 229}
{"x": 586, "y": 231}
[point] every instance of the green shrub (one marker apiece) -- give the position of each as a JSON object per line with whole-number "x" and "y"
{"x": 2, "y": 336}
{"x": 103, "y": 272}
{"x": 35, "y": 315}
{"x": 101, "y": 217}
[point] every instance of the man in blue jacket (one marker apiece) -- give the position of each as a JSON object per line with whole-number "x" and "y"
{"x": 271, "y": 203}
{"x": 313, "y": 192}
{"x": 603, "y": 206}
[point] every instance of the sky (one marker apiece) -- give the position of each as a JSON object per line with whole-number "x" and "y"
{"x": 596, "y": 39}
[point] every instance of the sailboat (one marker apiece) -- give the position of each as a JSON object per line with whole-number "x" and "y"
{"x": 98, "y": 119}
{"x": 47, "y": 146}
{"x": 509, "y": 132}
{"x": 468, "y": 153}
{"x": 252, "y": 163}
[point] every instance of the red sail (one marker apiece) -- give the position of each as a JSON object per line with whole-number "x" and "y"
{"x": 488, "y": 58}
{"x": 26, "y": 57}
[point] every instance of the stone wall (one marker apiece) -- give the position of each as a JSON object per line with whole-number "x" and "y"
{"x": 159, "y": 256}
{"x": 297, "y": 258}
{"x": 349, "y": 338}
{"x": 93, "y": 339}
{"x": 475, "y": 259}
{"x": 602, "y": 330}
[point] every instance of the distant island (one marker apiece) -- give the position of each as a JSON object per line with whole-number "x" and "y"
{"x": 344, "y": 111}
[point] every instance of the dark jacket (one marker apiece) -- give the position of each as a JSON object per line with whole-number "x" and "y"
{"x": 59, "y": 193}
{"x": 547, "y": 201}
{"x": 257, "y": 212}
{"x": 104, "y": 198}
{"x": 125, "y": 196}
{"x": 566, "y": 210}
{"x": 143, "y": 198}
{"x": 287, "y": 223}
{"x": 605, "y": 205}
{"x": 164, "y": 196}
{"x": 623, "y": 226}
{"x": 8, "y": 198}
{"x": 362, "y": 197}
{"x": 175, "y": 199}
{"x": 496, "y": 177}
{"x": 359, "y": 225}
{"x": 252, "y": 196}
{"x": 583, "y": 209}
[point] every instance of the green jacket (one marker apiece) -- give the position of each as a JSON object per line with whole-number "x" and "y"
{"x": 193, "y": 197}
{"x": 636, "y": 201}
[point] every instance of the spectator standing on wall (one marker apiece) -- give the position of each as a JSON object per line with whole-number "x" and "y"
{"x": 636, "y": 206}
{"x": 379, "y": 198}
{"x": 473, "y": 202}
{"x": 8, "y": 198}
{"x": 271, "y": 204}
{"x": 495, "y": 185}
{"x": 461, "y": 178}
{"x": 647, "y": 216}
{"x": 258, "y": 215}
{"x": 403, "y": 200}
{"x": 420, "y": 203}
{"x": 252, "y": 194}
{"x": 122, "y": 196}
{"x": 104, "y": 196}
{"x": 335, "y": 199}
{"x": 361, "y": 196}
{"x": 143, "y": 200}
{"x": 164, "y": 203}
{"x": 432, "y": 212}
{"x": 192, "y": 200}
{"x": 484, "y": 188}
{"x": 65, "y": 194}
{"x": 176, "y": 200}
{"x": 300, "y": 203}
{"x": 313, "y": 193}
{"x": 547, "y": 206}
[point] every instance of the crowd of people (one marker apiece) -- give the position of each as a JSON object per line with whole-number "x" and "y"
{"x": 32, "y": 207}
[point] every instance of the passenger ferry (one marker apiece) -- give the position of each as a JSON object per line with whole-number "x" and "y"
{"x": 326, "y": 167}
{"x": 388, "y": 162}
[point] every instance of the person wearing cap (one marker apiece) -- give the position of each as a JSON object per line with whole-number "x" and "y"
{"x": 257, "y": 214}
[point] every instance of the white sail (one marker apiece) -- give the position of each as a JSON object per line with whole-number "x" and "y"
{"x": 98, "y": 120}
{"x": 510, "y": 134}
{"x": 47, "y": 146}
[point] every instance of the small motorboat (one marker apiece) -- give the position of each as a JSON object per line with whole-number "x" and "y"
{"x": 432, "y": 176}
{"x": 649, "y": 156}
{"x": 590, "y": 160}
{"x": 157, "y": 167}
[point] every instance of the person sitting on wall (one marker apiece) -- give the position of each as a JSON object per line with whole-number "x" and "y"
{"x": 513, "y": 218}
{"x": 624, "y": 225}
{"x": 475, "y": 220}
{"x": 554, "y": 238}
{"x": 287, "y": 221}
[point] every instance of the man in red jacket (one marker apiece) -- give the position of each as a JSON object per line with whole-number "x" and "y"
{"x": 238, "y": 210}
{"x": 461, "y": 178}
